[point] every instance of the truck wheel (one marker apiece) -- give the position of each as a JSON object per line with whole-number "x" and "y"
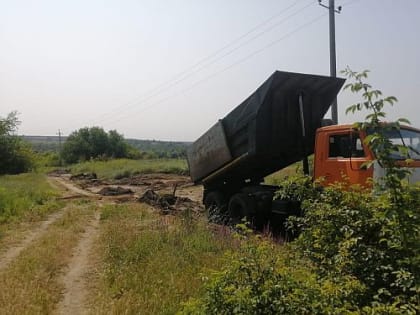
{"x": 241, "y": 206}
{"x": 215, "y": 205}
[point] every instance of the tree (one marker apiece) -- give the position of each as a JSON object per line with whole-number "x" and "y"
{"x": 87, "y": 143}
{"x": 16, "y": 155}
{"x": 117, "y": 147}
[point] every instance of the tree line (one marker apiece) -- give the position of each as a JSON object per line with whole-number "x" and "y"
{"x": 20, "y": 154}
{"x": 149, "y": 149}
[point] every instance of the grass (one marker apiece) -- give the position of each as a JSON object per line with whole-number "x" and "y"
{"x": 150, "y": 264}
{"x": 31, "y": 285}
{"x": 119, "y": 168}
{"x": 296, "y": 168}
{"x": 25, "y": 197}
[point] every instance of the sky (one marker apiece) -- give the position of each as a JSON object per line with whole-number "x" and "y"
{"x": 168, "y": 70}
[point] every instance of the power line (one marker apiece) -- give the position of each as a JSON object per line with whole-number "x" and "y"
{"x": 210, "y": 56}
{"x": 224, "y": 69}
{"x": 349, "y": 3}
{"x": 210, "y": 59}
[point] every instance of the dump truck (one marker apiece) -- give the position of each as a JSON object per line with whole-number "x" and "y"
{"x": 279, "y": 124}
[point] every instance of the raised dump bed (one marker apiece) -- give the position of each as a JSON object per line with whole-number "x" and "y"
{"x": 264, "y": 133}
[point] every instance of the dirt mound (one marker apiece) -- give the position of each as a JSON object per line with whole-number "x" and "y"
{"x": 59, "y": 172}
{"x": 114, "y": 191}
{"x": 155, "y": 181}
{"x": 85, "y": 176}
{"x": 169, "y": 203}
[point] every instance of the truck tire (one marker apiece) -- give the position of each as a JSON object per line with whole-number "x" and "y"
{"x": 240, "y": 206}
{"x": 215, "y": 205}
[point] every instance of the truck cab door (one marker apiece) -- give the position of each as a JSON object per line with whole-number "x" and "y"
{"x": 340, "y": 158}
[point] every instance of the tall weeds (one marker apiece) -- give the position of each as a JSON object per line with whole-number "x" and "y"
{"x": 25, "y": 197}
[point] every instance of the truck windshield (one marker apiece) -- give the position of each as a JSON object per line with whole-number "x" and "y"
{"x": 407, "y": 137}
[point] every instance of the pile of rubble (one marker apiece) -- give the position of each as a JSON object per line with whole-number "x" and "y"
{"x": 114, "y": 191}
{"x": 169, "y": 203}
{"x": 84, "y": 176}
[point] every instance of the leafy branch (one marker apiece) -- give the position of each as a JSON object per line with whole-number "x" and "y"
{"x": 377, "y": 140}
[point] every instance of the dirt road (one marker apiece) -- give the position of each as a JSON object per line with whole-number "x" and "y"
{"x": 75, "y": 264}
{"x": 31, "y": 235}
{"x": 75, "y": 276}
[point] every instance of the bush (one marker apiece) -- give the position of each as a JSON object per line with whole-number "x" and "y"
{"x": 351, "y": 256}
{"x": 47, "y": 159}
{"x": 93, "y": 143}
{"x": 358, "y": 234}
{"x": 16, "y": 156}
{"x": 259, "y": 279}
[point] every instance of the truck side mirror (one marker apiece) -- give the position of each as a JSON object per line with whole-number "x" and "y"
{"x": 357, "y": 149}
{"x": 359, "y": 146}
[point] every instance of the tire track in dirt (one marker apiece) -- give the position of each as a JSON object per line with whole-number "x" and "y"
{"x": 75, "y": 278}
{"x": 58, "y": 181}
{"x": 32, "y": 235}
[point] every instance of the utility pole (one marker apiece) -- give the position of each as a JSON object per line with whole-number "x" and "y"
{"x": 59, "y": 146}
{"x": 333, "y": 63}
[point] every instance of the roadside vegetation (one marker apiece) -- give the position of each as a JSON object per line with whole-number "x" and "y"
{"x": 31, "y": 285}
{"x": 26, "y": 197}
{"x": 152, "y": 263}
{"x": 16, "y": 155}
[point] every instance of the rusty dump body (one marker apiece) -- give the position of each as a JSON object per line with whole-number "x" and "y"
{"x": 264, "y": 133}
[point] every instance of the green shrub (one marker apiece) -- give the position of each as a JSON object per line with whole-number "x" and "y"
{"x": 352, "y": 256}
{"x": 91, "y": 143}
{"x": 16, "y": 155}
{"x": 361, "y": 235}
{"x": 298, "y": 188}
{"x": 47, "y": 159}
{"x": 260, "y": 279}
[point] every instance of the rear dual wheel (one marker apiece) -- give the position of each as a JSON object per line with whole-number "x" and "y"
{"x": 215, "y": 204}
{"x": 241, "y": 206}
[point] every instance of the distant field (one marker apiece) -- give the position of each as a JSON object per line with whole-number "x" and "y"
{"x": 115, "y": 169}
{"x": 296, "y": 168}
{"x": 160, "y": 149}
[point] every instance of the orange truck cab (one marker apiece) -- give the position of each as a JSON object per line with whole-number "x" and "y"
{"x": 340, "y": 155}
